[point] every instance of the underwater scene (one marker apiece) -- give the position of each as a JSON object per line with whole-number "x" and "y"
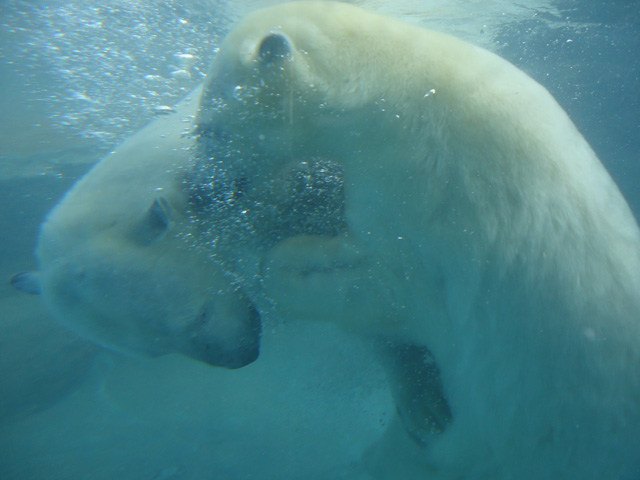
{"x": 322, "y": 240}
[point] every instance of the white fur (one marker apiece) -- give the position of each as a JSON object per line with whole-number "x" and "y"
{"x": 481, "y": 225}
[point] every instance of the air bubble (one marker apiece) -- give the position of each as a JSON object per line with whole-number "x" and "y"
{"x": 163, "y": 110}
{"x": 185, "y": 60}
{"x": 180, "y": 74}
{"x": 237, "y": 92}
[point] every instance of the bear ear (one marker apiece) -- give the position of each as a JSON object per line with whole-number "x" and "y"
{"x": 275, "y": 47}
{"x": 28, "y": 282}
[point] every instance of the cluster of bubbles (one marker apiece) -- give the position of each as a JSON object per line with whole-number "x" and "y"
{"x": 104, "y": 68}
{"x": 231, "y": 215}
{"x": 235, "y": 210}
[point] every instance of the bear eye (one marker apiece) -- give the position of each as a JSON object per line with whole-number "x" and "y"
{"x": 274, "y": 47}
{"x": 155, "y": 222}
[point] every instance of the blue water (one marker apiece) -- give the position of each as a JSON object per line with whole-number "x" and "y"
{"x": 594, "y": 74}
{"x": 78, "y": 77}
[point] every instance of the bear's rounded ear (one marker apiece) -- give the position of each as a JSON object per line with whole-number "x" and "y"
{"x": 275, "y": 47}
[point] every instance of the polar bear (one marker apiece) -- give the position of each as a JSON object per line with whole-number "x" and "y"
{"x": 113, "y": 269}
{"x": 485, "y": 248}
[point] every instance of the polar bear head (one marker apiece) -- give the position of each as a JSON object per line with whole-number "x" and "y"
{"x": 287, "y": 79}
{"x": 114, "y": 269}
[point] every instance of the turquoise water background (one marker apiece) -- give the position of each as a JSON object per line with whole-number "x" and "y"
{"x": 79, "y": 77}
